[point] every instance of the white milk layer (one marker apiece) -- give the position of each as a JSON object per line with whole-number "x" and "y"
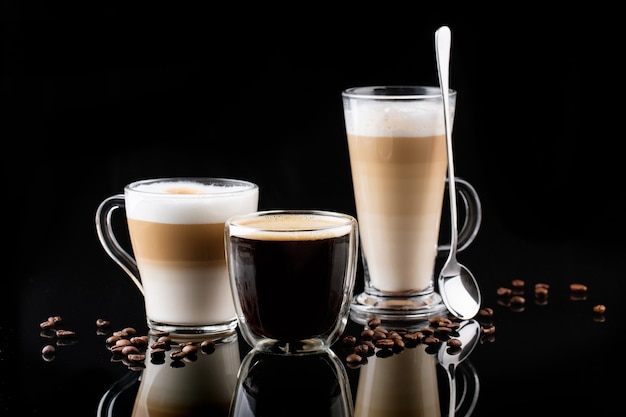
{"x": 187, "y": 295}
{"x": 186, "y": 202}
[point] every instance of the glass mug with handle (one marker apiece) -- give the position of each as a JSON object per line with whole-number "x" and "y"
{"x": 176, "y": 229}
{"x": 398, "y": 158}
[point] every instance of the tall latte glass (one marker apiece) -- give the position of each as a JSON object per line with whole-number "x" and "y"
{"x": 176, "y": 228}
{"x": 292, "y": 274}
{"x": 397, "y": 147}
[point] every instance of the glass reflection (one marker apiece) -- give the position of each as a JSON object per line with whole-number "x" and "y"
{"x": 279, "y": 385}
{"x": 413, "y": 382}
{"x": 199, "y": 384}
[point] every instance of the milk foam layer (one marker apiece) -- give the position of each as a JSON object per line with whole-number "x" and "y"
{"x": 188, "y": 202}
{"x": 291, "y": 227}
{"x": 398, "y": 119}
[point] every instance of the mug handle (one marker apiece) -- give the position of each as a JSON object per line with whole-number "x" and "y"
{"x": 108, "y": 240}
{"x": 473, "y": 215}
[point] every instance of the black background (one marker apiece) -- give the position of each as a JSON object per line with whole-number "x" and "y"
{"x": 98, "y": 95}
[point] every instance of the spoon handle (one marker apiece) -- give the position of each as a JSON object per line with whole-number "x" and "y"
{"x": 443, "y": 39}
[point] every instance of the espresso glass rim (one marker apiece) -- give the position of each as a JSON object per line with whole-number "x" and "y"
{"x": 235, "y": 220}
{"x": 232, "y": 186}
{"x": 395, "y": 92}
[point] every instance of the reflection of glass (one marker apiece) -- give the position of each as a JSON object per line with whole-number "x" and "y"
{"x": 279, "y": 385}
{"x": 202, "y": 385}
{"x": 412, "y": 383}
{"x": 403, "y": 384}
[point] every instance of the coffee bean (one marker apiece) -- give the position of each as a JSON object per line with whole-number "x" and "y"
{"x": 48, "y": 350}
{"x": 207, "y": 346}
{"x": 102, "y": 323}
{"x": 177, "y": 354}
{"x": 157, "y": 353}
{"x": 349, "y": 340}
{"x": 518, "y": 300}
{"x": 485, "y": 313}
{"x": 362, "y": 350}
{"x": 454, "y": 342}
{"x": 136, "y": 357}
{"x": 518, "y": 283}
{"x": 190, "y": 350}
{"x": 354, "y": 358}
{"x": 384, "y": 343}
{"x": 139, "y": 341}
{"x": 367, "y": 334}
{"x": 599, "y": 309}
{"x": 46, "y": 325}
{"x": 65, "y": 333}
{"x": 130, "y": 349}
{"x": 373, "y": 322}
{"x": 504, "y": 292}
{"x": 578, "y": 288}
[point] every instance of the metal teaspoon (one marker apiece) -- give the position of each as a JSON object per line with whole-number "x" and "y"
{"x": 457, "y": 285}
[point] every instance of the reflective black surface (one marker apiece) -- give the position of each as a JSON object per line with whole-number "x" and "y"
{"x": 96, "y": 97}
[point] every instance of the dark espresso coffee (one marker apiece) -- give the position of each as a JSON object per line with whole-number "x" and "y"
{"x": 290, "y": 290}
{"x": 291, "y": 274}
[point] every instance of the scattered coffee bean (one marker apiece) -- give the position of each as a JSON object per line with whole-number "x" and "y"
{"x": 136, "y": 357}
{"x": 576, "y": 288}
{"x": 349, "y": 340}
{"x": 65, "y": 333}
{"x": 207, "y": 346}
{"x": 48, "y": 350}
{"x": 518, "y": 300}
{"x": 384, "y": 343}
{"x": 101, "y": 323}
{"x": 354, "y": 358}
{"x": 504, "y": 292}
{"x": 373, "y": 322}
{"x": 46, "y": 325}
{"x": 518, "y": 283}
{"x": 454, "y": 342}
{"x": 599, "y": 309}
{"x": 129, "y": 350}
{"x": 367, "y": 334}
{"x": 485, "y": 313}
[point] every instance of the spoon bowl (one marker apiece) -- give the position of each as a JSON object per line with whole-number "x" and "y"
{"x": 457, "y": 286}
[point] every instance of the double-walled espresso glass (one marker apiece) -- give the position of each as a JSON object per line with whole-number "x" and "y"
{"x": 176, "y": 228}
{"x": 292, "y": 275}
{"x": 398, "y": 157}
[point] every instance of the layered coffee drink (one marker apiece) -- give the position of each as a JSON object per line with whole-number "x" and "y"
{"x": 399, "y": 163}
{"x": 293, "y": 275}
{"x": 177, "y": 235}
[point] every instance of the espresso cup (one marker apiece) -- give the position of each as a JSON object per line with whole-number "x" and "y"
{"x": 176, "y": 229}
{"x": 398, "y": 158}
{"x": 292, "y": 275}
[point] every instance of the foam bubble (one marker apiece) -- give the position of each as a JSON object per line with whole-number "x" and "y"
{"x": 399, "y": 119}
{"x": 188, "y": 202}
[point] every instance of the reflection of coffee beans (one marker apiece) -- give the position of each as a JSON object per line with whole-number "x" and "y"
{"x": 291, "y": 289}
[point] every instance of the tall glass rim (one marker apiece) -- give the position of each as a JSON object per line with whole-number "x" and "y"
{"x": 235, "y": 221}
{"x": 395, "y": 92}
{"x": 230, "y": 186}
